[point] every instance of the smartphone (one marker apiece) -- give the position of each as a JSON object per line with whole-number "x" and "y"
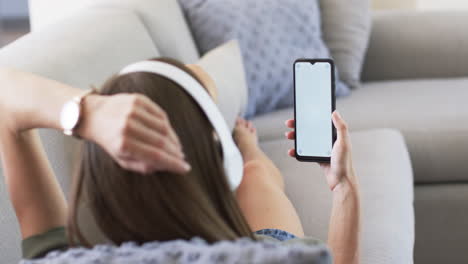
{"x": 314, "y": 103}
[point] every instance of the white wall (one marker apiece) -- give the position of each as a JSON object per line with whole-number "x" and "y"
{"x": 14, "y": 8}
{"x": 443, "y": 4}
{"x": 420, "y": 4}
{"x": 394, "y": 4}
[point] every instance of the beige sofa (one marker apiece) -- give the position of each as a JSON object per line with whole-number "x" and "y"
{"x": 88, "y": 47}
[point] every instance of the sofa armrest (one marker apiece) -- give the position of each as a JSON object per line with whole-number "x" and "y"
{"x": 417, "y": 44}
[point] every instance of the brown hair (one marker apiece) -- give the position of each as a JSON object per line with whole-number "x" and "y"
{"x": 128, "y": 206}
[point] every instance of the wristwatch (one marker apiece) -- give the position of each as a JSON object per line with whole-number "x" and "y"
{"x": 72, "y": 112}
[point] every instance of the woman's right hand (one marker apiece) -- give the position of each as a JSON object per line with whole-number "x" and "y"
{"x": 340, "y": 169}
{"x": 134, "y": 131}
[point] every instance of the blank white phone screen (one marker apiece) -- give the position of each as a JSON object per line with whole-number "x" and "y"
{"x": 313, "y": 109}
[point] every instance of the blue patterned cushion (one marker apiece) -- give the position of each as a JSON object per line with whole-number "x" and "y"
{"x": 271, "y": 34}
{"x": 196, "y": 251}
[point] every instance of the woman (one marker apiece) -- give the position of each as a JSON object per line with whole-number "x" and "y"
{"x": 151, "y": 169}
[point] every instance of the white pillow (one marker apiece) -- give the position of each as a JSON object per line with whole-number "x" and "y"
{"x": 224, "y": 64}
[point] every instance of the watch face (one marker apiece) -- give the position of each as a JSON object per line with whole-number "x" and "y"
{"x": 70, "y": 115}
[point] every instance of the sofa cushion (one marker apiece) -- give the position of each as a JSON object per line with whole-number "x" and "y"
{"x": 441, "y": 212}
{"x": 75, "y": 52}
{"x": 272, "y": 35}
{"x": 384, "y": 171}
{"x": 165, "y": 23}
{"x": 346, "y": 30}
{"x": 224, "y": 64}
{"x": 163, "y": 19}
{"x": 85, "y": 58}
{"x": 431, "y": 114}
{"x": 405, "y": 44}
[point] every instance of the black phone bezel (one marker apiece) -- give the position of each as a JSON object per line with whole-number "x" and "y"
{"x": 333, "y": 98}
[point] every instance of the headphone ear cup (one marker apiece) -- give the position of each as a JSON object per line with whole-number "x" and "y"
{"x": 234, "y": 167}
{"x": 232, "y": 158}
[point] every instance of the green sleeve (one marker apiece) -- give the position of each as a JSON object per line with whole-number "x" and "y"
{"x": 39, "y": 245}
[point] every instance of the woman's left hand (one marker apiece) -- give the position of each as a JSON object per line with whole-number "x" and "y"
{"x": 131, "y": 128}
{"x": 340, "y": 170}
{"x": 134, "y": 131}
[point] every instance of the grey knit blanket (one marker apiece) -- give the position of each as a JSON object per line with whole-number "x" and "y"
{"x": 195, "y": 251}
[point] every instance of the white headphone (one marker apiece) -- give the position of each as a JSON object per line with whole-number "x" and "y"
{"x": 233, "y": 163}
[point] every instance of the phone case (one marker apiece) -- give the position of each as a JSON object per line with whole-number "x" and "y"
{"x": 308, "y": 158}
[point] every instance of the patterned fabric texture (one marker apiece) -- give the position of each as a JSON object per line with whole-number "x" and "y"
{"x": 277, "y": 234}
{"x": 272, "y": 34}
{"x": 196, "y": 251}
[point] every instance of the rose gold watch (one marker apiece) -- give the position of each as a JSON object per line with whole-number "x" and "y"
{"x": 72, "y": 112}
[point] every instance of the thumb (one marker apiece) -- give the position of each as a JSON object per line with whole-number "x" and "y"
{"x": 340, "y": 125}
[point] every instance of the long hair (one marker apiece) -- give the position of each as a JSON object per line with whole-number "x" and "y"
{"x": 128, "y": 206}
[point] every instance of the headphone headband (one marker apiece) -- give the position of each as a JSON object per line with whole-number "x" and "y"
{"x": 233, "y": 164}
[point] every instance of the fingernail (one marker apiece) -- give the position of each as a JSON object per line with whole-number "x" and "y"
{"x": 187, "y": 166}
